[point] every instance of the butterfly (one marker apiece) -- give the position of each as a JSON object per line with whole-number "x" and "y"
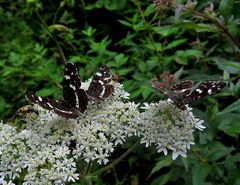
{"x": 75, "y": 99}
{"x": 101, "y": 85}
{"x": 186, "y": 92}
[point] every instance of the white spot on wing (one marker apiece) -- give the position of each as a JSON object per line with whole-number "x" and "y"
{"x": 77, "y": 100}
{"x": 209, "y": 91}
{"x": 184, "y": 90}
{"x": 72, "y": 87}
{"x": 67, "y": 77}
{"x": 39, "y": 98}
{"x": 99, "y": 74}
{"x": 103, "y": 92}
{"x": 101, "y": 82}
{"x": 199, "y": 91}
{"x": 49, "y": 105}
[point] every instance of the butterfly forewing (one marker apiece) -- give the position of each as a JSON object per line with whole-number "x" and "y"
{"x": 60, "y": 107}
{"x": 72, "y": 92}
{"x": 205, "y": 88}
{"x": 100, "y": 86}
{"x": 184, "y": 87}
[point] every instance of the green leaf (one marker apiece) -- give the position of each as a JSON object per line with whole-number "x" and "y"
{"x": 149, "y": 10}
{"x": 200, "y": 172}
{"x": 166, "y": 31}
{"x": 146, "y": 91}
{"x": 153, "y": 45}
{"x": 229, "y": 66}
{"x": 218, "y": 151}
{"x": 226, "y": 8}
{"x": 175, "y": 43}
{"x": 163, "y": 162}
{"x": 46, "y": 92}
{"x": 229, "y": 123}
{"x": 231, "y": 108}
{"x": 231, "y": 159}
{"x": 126, "y": 23}
{"x": 120, "y": 60}
{"x": 58, "y": 27}
{"x": 196, "y": 27}
{"x": 165, "y": 178}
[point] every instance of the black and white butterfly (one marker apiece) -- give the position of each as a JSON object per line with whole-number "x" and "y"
{"x": 186, "y": 92}
{"x": 101, "y": 85}
{"x": 75, "y": 99}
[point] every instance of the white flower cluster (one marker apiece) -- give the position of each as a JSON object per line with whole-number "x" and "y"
{"x": 168, "y": 127}
{"x": 48, "y": 150}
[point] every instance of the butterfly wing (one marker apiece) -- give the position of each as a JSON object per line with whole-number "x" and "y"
{"x": 205, "y": 88}
{"x": 179, "y": 92}
{"x": 100, "y": 86}
{"x": 183, "y": 87}
{"x": 60, "y": 107}
{"x": 72, "y": 92}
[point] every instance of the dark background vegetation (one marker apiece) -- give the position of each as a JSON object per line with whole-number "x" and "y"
{"x": 136, "y": 40}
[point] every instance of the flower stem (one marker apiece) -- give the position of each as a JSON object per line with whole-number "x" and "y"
{"x": 115, "y": 162}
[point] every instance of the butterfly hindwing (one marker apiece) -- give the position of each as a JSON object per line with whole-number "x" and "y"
{"x": 60, "y": 107}
{"x": 100, "y": 86}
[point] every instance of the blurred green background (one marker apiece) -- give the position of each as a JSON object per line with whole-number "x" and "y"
{"x": 137, "y": 39}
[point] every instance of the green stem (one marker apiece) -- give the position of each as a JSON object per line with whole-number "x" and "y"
{"x": 146, "y": 25}
{"x": 45, "y": 26}
{"x": 115, "y": 162}
{"x": 88, "y": 169}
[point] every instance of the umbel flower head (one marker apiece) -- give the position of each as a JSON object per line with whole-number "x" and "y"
{"x": 48, "y": 148}
{"x": 168, "y": 128}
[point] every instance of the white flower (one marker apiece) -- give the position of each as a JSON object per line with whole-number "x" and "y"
{"x": 168, "y": 127}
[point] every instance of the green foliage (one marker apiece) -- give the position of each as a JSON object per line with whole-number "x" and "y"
{"x": 199, "y": 42}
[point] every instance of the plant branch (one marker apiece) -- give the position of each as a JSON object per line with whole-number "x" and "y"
{"x": 45, "y": 26}
{"x": 223, "y": 28}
